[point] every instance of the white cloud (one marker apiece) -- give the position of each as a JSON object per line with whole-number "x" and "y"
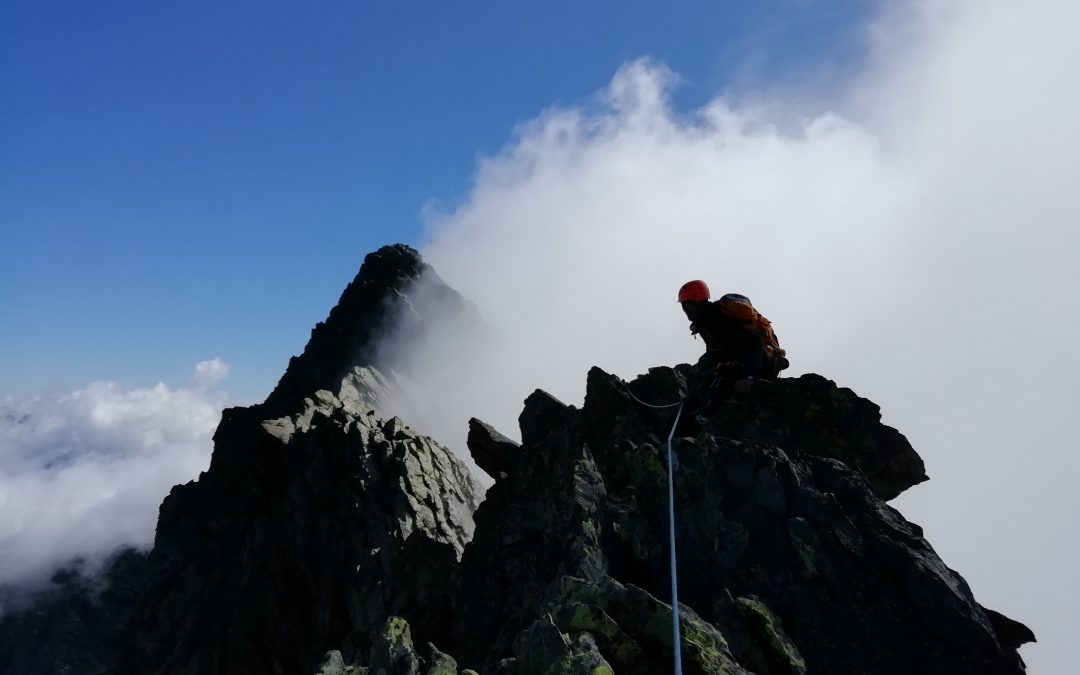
{"x": 84, "y": 472}
{"x": 209, "y": 373}
{"x": 915, "y": 240}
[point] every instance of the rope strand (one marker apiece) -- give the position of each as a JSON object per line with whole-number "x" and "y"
{"x": 649, "y": 405}
{"x": 675, "y": 631}
{"x": 676, "y": 635}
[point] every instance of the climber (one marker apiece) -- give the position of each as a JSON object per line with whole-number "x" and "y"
{"x": 740, "y": 346}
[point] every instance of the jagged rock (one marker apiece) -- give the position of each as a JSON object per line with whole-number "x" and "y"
{"x": 318, "y": 522}
{"x": 1010, "y": 633}
{"x": 767, "y": 513}
{"x": 543, "y": 415}
{"x": 782, "y": 655}
{"x": 76, "y": 624}
{"x": 808, "y": 413}
{"x": 578, "y": 617}
{"x": 586, "y": 658}
{"x": 332, "y": 664}
{"x": 387, "y": 296}
{"x": 492, "y": 451}
{"x": 393, "y": 652}
{"x": 438, "y": 663}
{"x": 299, "y": 535}
{"x": 541, "y": 648}
{"x": 320, "y": 517}
{"x": 627, "y": 617}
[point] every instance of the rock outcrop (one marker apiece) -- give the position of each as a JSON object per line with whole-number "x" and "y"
{"x": 78, "y": 623}
{"x": 317, "y": 519}
{"x": 329, "y": 538}
{"x": 312, "y": 526}
{"x": 790, "y": 561}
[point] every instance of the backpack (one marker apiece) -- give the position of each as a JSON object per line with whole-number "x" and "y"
{"x": 738, "y": 307}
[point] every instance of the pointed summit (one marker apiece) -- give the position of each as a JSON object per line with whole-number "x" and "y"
{"x": 396, "y": 294}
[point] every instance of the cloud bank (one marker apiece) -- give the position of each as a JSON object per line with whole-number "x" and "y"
{"x": 209, "y": 373}
{"x": 84, "y": 472}
{"x": 915, "y": 238}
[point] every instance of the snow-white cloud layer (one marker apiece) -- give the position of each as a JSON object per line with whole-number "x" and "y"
{"x": 84, "y": 472}
{"x": 915, "y": 239}
{"x": 208, "y": 373}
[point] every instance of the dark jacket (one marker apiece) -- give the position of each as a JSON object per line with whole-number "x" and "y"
{"x": 733, "y": 349}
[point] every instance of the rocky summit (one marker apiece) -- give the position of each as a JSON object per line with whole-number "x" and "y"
{"x": 328, "y": 538}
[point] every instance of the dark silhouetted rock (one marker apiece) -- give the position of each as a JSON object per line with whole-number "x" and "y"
{"x": 317, "y": 519}
{"x": 76, "y": 624}
{"x": 394, "y": 293}
{"x": 787, "y": 551}
{"x": 492, "y": 451}
{"x": 1010, "y": 633}
{"x": 328, "y": 538}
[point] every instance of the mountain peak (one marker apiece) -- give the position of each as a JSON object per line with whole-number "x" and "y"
{"x": 327, "y": 534}
{"x": 393, "y": 288}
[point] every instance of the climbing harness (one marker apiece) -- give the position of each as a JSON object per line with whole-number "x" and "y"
{"x": 671, "y": 463}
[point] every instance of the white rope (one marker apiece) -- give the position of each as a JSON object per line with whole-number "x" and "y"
{"x": 676, "y": 637}
{"x": 649, "y": 405}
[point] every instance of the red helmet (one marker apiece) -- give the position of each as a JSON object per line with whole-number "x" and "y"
{"x": 694, "y": 291}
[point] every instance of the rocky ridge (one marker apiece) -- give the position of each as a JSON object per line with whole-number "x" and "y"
{"x": 790, "y": 560}
{"x": 328, "y": 538}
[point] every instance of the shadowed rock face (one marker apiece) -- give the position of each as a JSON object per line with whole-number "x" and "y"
{"x": 328, "y": 538}
{"x": 75, "y": 625}
{"x": 301, "y": 538}
{"x": 395, "y": 292}
{"x": 786, "y": 547}
{"x": 297, "y": 537}
{"x": 494, "y": 453}
{"x": 317, "y": 518}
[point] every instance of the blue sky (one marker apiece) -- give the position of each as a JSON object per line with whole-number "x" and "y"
{"x": 183, "y": 180}
{"x": 187, "y": 180}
